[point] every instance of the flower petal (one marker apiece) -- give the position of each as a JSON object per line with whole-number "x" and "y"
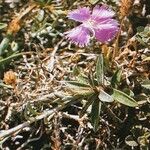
{"x": 101, "y": 13}
{"x": 79, "y": 36}
{"x": 80, "y": 14}
{"x": 107, "y": 30}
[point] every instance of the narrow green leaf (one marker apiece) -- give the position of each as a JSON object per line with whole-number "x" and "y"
{"x": 92, "y": 80}
{"x": 100, "y": 70}
{"x": 7, "y": 59}
{"x": 130, "y": 141}
{"x": 124, "y": 98}
{"x": 116, "y": 77}
{"x": 146, "y": 84}
{"x": 83, "y": 79}
{"x": 140, "y": 39}
{"x": 146, "y": 59}
{"x": 77, "y": 84}
{"x": 4, "y": 45}
{"x": 3, "y": 25}
{"x": 86, "y": 106}
{"x": 104, "y": 97}
{"x": 72, "y": 98}
{"x": 76, "y": 71}
{"x": 78, "y": 88}
{"x": 93, "y": 1}
{"x": 95, "y": 113}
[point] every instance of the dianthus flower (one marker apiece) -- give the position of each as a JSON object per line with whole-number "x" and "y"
{"x": 97, "y": 23}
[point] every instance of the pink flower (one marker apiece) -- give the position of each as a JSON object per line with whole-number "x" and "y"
{"x": 98, "y": 24}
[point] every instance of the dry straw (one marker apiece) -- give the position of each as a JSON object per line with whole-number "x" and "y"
{"x": 125, "y": 7}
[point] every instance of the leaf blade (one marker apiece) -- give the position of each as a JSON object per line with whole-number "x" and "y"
{"x": 95, "y": 113}
{"x": 78, "y": 88}
{"x": 100, "y": 69}
{"x": 124, "y": 98}
{"x": 87, "y": 105}
{"x": 104, "y": 97}
{"x": 116, "y": 78}
{"x": 146, "y": 84}
{"x": 93, "y": 2}
{"x": 3, "y": 25}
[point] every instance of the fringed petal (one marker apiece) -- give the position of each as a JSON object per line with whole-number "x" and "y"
{"x": 101, "y": 13}
{"x": 106, "y": 31}
{"x": 80, "y": 14}
{"x": 79, "y": 36}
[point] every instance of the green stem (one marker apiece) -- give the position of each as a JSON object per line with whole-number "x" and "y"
{"x": 12, "y": 57}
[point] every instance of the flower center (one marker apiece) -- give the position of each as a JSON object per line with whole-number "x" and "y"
{"x": 90, "y": 24}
